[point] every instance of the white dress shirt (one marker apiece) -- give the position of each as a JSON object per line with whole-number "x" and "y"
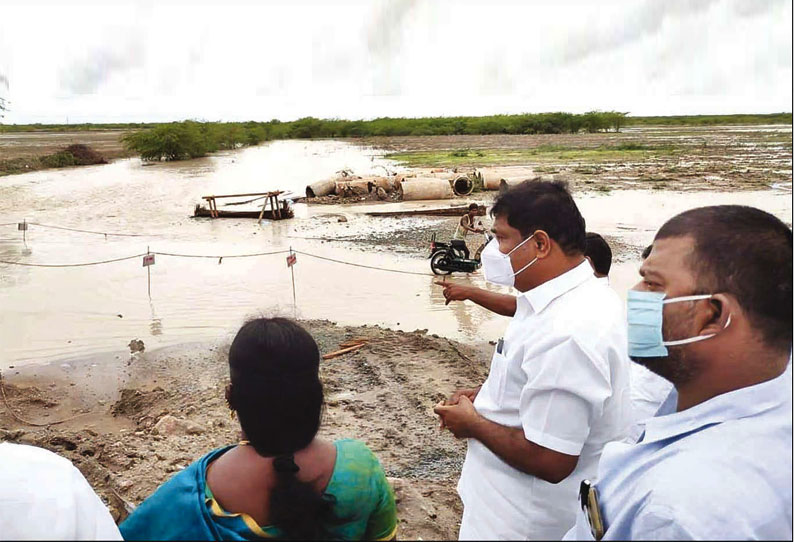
{"x": 720, "y": 470}
{"x": 44, "y": 497}
{"x": 561, "y": 375}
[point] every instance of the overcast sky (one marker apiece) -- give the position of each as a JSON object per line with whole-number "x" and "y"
{"x": 226, "y": 60}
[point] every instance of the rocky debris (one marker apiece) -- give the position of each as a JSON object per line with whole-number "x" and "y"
{"x": 11, "y": 435}
{"x": 136, "y": 345}
{"x": 169, "y": 425}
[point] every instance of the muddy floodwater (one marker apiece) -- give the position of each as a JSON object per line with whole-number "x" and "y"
{"x": 54, "y": 313}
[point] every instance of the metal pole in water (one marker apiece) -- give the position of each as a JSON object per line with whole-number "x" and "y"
{"x": 294, "y": 302}
{"x": 149, "y": 276}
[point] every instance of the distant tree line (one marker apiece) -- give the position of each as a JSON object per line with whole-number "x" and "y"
{"x": 192, "y": 139}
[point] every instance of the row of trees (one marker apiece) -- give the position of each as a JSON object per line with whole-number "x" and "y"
{"x": 192, "y": 139}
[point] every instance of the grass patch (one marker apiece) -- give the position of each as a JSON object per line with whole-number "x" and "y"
{"x": 544, "y": 153}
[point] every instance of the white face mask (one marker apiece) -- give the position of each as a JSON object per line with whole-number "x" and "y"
{"x": 497, "y": 266}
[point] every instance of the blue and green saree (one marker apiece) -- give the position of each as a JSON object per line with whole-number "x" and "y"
{"x": 183, "y": 508}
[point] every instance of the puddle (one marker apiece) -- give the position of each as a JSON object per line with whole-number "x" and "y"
{"x": 58, "y": 313}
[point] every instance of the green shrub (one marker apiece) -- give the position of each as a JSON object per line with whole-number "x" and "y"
{"x": 59, "y": 159}
{"x": 174, "y": 141}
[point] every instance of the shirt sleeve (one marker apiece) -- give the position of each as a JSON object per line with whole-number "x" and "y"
{"x": 564, "y": 395}
{"x": 382, "y": 523}
{"x": 94, "y": 521}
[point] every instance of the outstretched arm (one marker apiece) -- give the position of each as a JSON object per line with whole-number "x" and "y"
{"x": 503, "y": 304}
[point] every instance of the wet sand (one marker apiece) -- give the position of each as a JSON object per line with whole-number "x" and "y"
{"x": 382, "y": 394}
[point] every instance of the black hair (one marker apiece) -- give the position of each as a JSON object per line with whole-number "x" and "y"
{"x": 646, "y": 251}
{"x": 597, "y": 249}
{"x": 277, "y": 394}
{"x": 474, "y": 207}
{"x": 747, "y": 253}
{"x": 543, "y": 205}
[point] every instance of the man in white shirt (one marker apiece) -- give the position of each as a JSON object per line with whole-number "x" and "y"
{"x": 648, "y": 390}
{"x": 558, "y": 388}
{"x": 713, "y": 315}
{"x": 44, "y": 497}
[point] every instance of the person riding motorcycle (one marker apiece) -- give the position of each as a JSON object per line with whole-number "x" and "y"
{"x": 466, "y": 225}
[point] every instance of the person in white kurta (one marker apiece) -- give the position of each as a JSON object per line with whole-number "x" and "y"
{"x": 558, "y": 387}
{"x": 563, "y": 378}
{"x": 44, "y": 497}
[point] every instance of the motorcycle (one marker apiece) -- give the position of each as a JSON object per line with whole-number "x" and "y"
{"x": 446, "y": 258}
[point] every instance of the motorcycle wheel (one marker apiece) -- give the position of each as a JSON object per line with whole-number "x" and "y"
{"x": 437, "y": 260}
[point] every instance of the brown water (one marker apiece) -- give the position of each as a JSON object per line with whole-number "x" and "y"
{"x": 57, "y": 313}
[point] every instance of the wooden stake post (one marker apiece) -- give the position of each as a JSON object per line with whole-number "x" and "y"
{"x": 292, "y": 258}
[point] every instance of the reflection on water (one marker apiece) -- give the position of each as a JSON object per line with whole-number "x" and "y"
{"x": 52, "y": 313}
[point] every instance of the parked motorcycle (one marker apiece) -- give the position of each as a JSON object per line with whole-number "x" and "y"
{"x": 445, "y": 258}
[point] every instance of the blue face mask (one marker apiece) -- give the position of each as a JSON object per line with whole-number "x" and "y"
{"x": 645, "y": 317}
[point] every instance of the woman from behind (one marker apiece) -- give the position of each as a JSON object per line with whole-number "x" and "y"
{"x": 280, "y": 481}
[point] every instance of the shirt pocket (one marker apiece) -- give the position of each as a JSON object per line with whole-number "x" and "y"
{"x": 498, "y": 375}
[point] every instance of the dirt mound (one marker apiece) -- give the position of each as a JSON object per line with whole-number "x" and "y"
{"x": 85, "y": 155}
{"x": 73, "y": 155}
{"x": 26, "y": 396}
{"x": 135, "y": 403}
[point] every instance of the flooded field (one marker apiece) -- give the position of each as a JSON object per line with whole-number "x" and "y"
{"x": 62, "y": 312}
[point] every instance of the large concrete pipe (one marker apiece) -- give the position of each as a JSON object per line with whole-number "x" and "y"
{"x": 321, "y": 188}
{"x": 388, "y": 184}
{"x": 462, "y": 186}
{"x": 425, "y": 188}
{"x": 492, "y": 178}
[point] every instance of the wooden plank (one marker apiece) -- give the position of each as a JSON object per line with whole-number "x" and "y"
{"x": 277, "y": 192}
{"x": 205, "y": 213}
{"x": 262, "y": 212}
{"x": 343, "y": 351}
{"x": 447, "y": 211}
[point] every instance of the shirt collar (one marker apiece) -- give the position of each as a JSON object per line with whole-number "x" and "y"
{"x": 736, "y": 404}
{"x": 540, "y": 296}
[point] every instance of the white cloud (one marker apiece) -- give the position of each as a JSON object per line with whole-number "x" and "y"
{"x": 101, "y": 61}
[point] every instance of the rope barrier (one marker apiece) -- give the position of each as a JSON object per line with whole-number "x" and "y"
{"x": 91, "y": 231}
{"x": 214, "y": 257}
{"x": 219, "y": 257}
{"x": 83, "y": 264}
{"x": 362, "y": 265}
